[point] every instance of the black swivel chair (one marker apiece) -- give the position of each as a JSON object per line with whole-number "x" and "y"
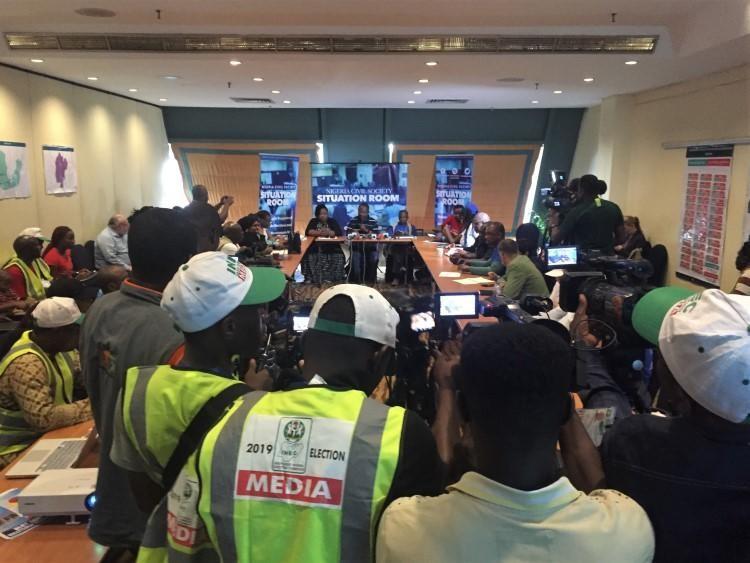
{"x": 83, "y": 256}
{"x": 658, "y": 257}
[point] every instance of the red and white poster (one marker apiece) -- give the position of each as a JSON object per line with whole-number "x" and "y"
{"x": 704, "y": 215}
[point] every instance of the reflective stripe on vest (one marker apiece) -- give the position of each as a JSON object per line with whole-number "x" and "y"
{"x": 31, "y": 276}
{"x": 15, "y": 432}
{"x": 41, "y": 269}
{"x": 158, "y": 544}
{"x": 158, "y": 403}
{"x": 307, "y": 471}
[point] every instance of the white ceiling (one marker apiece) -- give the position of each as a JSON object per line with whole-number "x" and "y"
{"x": 696, "y": 37}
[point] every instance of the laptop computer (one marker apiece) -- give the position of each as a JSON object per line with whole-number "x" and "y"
{"x": 47, "y": 454}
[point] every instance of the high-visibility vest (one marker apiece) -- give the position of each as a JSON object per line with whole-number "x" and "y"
{"x": 296, "y": 475}
{"x": 15, "y": 433}
{"x": 34, "y": 277}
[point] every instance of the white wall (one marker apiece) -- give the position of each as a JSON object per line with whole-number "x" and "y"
{"x": 120, "y": 145}
{"x": 647, "y": 180}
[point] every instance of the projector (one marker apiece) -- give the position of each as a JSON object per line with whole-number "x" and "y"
{"x": 59, "y": 492}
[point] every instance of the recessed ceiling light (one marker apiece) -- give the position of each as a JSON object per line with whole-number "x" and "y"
{"x": 132, "y": 89}
{"x": 411, "y": 102}
{"x": 417, "y": 92}
{"x": 235, "y": 63}
{"x": 287, "y": 101}
{"x": 431, "y": 63}
{"x": 557, "y": 92}
{"x": 170, "y": 77}
{"x": 257, "y": 79}
{"x": 631, "y": 63}
{"x": 588, "y": 79}
{"x": 37, "y": 60}
{"x": 162, "y": 99}
{"x": 423, "y": 81}
{"x": 92, "y": 78}
{"x": 534, "y": 101}
{"x": 275, "y": 91}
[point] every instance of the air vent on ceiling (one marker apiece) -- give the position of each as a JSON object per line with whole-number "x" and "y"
{"x": 337, "y": 44}
{"x": 252, "y": 100}
{"x": 510, "y": 79}
{"x": 447, "y": 101}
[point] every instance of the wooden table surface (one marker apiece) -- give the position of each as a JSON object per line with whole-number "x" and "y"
{"x": 289, "y": 262}
{"x": 53, "y": 542}
{"x": 438, "y": 262}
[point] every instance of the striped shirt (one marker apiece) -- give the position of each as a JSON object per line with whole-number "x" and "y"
{"x": 742, "y": 287}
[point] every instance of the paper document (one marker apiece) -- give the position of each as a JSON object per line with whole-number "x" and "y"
{"x": 12, "y": 524}
{"x": 450, "y": 274}
{"x": 474, "y": 281}
{"x": 597, "y": 422}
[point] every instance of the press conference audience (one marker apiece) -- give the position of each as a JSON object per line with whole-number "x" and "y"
{"x": 453, "y": 225}
{"x": 123, "y": 329}
{"x": 323, "y": 262}
{"x": 528, "y": 238}
{"x": 231, "y": 240}
{"x": 688, "y": 471}
{"x": 206, "y": 224}
{"x": 40, "y": 378}
{"x": 522, "y": 278}
{"x": 200, "y": 196}
{"x": 742, "y": 263}
{"x": 10, "y": 303}
{"x": 634, "y": 241}
{"x": 111, "y": 245}
{"x": 57, "y": 253}
{"x": 516, "y": 505}
{"x": 494, "y": 233}
{"x": 30, "y": 275}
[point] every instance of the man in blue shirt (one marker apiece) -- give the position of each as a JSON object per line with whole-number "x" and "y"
{"x": 111, "y": 247}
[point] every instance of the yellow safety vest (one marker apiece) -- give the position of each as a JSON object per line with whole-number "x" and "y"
{"x": 15, "y": 433}
{"x": 297, "y": 475}
{"x": 34, "y": 276}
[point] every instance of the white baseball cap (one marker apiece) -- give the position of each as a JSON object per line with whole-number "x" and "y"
{"x": 705, "y": 341}
{"x": 55, "y": 312}
{"x": 212, "y": 285}
{"x": 35, "y": 232}
{"x": 374, "y": 318}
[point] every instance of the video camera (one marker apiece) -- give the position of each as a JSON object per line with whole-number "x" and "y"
{"x": 557, "y": 196}
{"x": 612, "y": 287}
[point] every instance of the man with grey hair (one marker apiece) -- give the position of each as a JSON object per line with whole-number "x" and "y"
{"x": 111, "y": 246}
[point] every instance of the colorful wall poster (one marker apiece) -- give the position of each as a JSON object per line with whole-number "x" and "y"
{"x": 342, "y": 187}
{"x": 278, "y": 190}
{"x": 14, "y": 175}
{"x": 704, "y": 215}
{"x": 453, "y": 182}
{"x": 60, "y": 175}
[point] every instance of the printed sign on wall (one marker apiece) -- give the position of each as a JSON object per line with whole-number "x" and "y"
{"x": 278, "y": 190}
{"x": 60, "y": 175}
{"x": 14, "y": 176}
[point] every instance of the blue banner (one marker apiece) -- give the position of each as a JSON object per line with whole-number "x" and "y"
{"x": 342, "y": 187}
{"x": 278, "y": 190}
{"x": 453, "y": 179}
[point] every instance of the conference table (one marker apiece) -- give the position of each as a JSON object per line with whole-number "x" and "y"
{"x": 53, "y": 542}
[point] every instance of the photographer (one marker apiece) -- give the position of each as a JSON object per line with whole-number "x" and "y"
{"x": 513, "y": 381}
{"x": 592, "y": 223}
{"x": 689, "y": 471}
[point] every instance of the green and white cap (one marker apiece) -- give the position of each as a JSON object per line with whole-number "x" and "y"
{"x": 212, "y": 285}
{"x": 35, "y": 232}
{"x": 374, "y": 318}
{"x": 705, "y": 341}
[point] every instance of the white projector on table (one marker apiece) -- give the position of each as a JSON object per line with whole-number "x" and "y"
{"x": 59, "y": 492}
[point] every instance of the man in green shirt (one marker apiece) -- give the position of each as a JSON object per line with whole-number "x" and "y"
{"x": 593, "y": 223}
{"x": 522, "y": 277}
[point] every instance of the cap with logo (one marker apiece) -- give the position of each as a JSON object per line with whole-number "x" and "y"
{"x": 374, "y": 318}
{"x": 56, "y": 312}
{"x": 705, "y": 341}
{"x": 212, "y": 285}
{"x": 35, "y": 232}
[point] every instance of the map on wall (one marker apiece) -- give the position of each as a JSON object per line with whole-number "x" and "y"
{"x": 14, "y": 176}
{"x": 60, "y": 176}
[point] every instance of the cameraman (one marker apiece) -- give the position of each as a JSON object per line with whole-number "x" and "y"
{"x": 593, "y": 223}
